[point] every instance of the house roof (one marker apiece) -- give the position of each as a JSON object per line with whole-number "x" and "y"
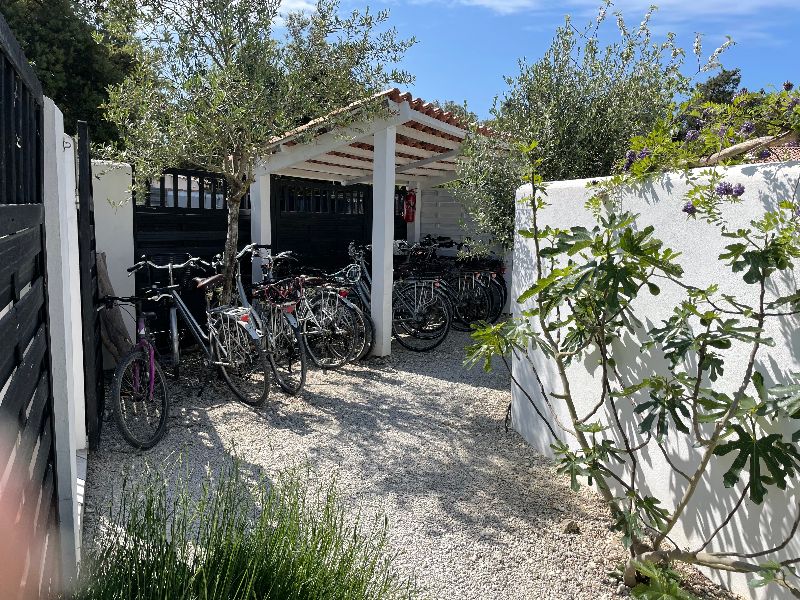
{"x": 428, "y": 139}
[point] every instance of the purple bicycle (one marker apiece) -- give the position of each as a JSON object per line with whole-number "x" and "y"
{"x": 140, "y": 400}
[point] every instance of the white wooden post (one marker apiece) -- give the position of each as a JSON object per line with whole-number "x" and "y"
{"x": 58, "y": 201}
{"x": 383, "y": 182}
{"x": 260, "y": 215}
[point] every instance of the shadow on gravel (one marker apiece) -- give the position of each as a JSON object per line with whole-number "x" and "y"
{"x": 412, "y": 430}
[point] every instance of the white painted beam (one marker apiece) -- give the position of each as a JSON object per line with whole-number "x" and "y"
{"x": 428, "y": 138}
{"x": 415, "y": 168}
{"x": 333, "y": 140}
{"x": 442, "y": 126}
{"x": 383, "y": 184}
{"x": 333, "y": 169}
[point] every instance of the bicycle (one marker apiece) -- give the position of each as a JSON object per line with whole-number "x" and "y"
{"x": 334, "y": 330}
{"x": 229, "y": 341}
{"x": 421, "y": 311}
{"x": 274, "y": 306}
{"x": 140, "y": 397}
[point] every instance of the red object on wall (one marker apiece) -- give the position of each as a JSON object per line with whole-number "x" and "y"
{"x": 409, "y": 206}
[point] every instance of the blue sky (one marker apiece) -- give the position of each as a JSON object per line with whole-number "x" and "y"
{"x": 465, "y": 47}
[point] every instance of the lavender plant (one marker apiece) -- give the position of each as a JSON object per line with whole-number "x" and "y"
{"x": 584, "y": 300}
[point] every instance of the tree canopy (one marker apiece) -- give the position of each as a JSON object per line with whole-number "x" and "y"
{"x": 215, "y": 81}
{"x": 580, "y": 103}
{"x": 58, "y": 37}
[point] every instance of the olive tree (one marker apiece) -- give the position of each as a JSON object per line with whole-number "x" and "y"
{"x": 215, "y": 81}
{"x": 582, "y": 102}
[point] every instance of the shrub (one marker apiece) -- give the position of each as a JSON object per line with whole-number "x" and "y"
{"x": 236, "y": 540}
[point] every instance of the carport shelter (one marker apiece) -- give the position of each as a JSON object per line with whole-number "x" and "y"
{"x": 317, "y": 189}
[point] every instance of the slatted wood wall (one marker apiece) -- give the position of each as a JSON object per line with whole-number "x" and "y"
{"x": 26, "y": 401}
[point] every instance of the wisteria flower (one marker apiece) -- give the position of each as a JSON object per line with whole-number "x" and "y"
{"x": 723, "y": 131}
{"x": 793, "y": 103}
{"x": 738, "y": 190}
{"x": 764, "y": 153}
{"x": 742, "y": 92}
{"x": 788, "y": 86}
{"x": 643, "y": 153}
{"x": 690, "y": 209}
{"x": 630, "y": 158}
{"x": 724, "y": 188}
{"x": 692, "y": 135}
{"x": 747, "y": 128}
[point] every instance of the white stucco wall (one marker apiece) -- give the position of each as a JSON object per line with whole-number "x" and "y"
{"x": 756, "y": 527}
{"x": 113, "y": 218}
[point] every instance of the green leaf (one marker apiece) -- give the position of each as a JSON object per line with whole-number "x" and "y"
{"x": 781, "y": 460}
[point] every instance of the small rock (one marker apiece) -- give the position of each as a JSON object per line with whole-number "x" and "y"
{"x": 571, "y": 527}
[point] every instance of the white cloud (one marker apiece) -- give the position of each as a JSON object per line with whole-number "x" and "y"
{"x": 296, "y": 5}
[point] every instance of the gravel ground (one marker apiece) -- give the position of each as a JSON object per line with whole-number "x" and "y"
{"x": 474, "y": 512}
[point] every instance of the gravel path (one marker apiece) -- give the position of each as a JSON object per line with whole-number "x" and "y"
{"x": 474, "y": 512}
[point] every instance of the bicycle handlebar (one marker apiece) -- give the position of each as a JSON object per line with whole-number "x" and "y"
{"x": 145, "y": 262}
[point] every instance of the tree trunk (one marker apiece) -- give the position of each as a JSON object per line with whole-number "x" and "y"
{"x": 231, "y": 246}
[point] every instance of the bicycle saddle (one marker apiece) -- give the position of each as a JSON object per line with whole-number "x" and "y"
{"x": 201, "y": 282}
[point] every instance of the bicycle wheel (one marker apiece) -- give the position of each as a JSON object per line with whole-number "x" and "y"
{"x": 241, "y": 359}
{"x": 330, "y": 331}
{"x": 287, "y": 355}
{"x": 421, "y": 316}
{"x": 471, "y": 303}
{"x": 497, "y": 296}
{"x": 140, "y": 399}
{"x": 369, "y": 325}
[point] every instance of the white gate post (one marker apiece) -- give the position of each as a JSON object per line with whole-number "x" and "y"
{"x": 260, "y": 215}
{"x": 57, "y": 199}
{"x": 383, "y": 182}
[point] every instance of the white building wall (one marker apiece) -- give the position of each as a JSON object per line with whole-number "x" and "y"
{"x": 113, "y": 218}
{"x": 441, "y": 214}
{"x": 659, "y": 204}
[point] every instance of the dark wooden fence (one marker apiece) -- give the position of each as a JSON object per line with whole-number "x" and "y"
{"x": 26, "y": 402}
{"x": 92, "y": 342}
{"x": 318, "y": 219}
{"x": 184, "y": 214}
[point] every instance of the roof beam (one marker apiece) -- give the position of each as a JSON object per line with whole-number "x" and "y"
{"x": 413, "y": 166}
{"x": 429, "y": 138}
{"x": 291, "y": 156}
{"x": 442, "y": 126}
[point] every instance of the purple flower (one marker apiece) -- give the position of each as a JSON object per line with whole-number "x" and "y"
{"x": 742, "y": 92}
{"x": 794, "y": 102}
{"x": 738, "y": 190}
{"x": 594, "y": 182}
{"x": 692, "y": 135}
{"x": 689, "y": 208}
{"x": 788, "y": 86}
{"x": 747, "y": 128}
{"x": 724, "y": 188}
{"x": 764, "y": 153}
{"x": 630, "y": 158}
{"x": 643, "y": 153}
{"x": 723, "y": 131}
